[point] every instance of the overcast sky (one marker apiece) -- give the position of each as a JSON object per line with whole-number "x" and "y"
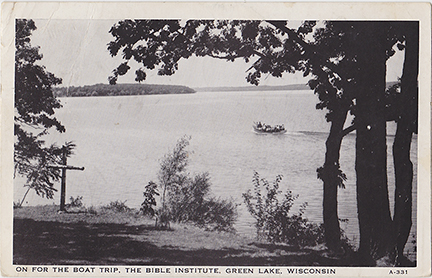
{"x": 76, "y": 51}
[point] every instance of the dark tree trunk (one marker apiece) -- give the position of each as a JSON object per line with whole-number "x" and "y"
{"x": 406, "y": 126}
{"x": 371, "y": 148}
{"x": 330, "y": 175}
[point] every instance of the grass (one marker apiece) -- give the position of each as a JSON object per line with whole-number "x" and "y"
{"x": 42, "y": 236}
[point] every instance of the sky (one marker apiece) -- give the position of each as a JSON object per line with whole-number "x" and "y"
{"x": 76, "y": 51}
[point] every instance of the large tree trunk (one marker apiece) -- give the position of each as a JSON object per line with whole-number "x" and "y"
{"x": 406, "y": 125}
{"x": 371, "y": 149}
{"x": 330, "y": 175}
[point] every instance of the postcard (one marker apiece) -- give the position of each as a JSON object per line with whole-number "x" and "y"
{"x": 215, "y": 139}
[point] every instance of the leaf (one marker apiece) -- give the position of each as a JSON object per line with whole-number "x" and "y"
{"x": 140, "y": 75}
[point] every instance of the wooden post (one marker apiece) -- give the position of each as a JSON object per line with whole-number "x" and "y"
{"x": 63, "y": 182}
{"x": 63, "y": 166}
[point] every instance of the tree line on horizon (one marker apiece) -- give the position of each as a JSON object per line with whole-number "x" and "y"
{"x": 120, "y": 90}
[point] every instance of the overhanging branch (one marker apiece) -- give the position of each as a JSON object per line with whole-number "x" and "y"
{"x": 306, "y": 47}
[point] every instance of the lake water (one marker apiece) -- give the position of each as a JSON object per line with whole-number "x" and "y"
{"x": 121, "y": 140}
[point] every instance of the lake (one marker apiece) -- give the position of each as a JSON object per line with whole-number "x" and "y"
{"x": 121, "y": 140}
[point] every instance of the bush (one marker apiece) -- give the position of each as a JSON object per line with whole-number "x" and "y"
{"x": 75, "y": 202}
{"x": 163, "y": 219}
{"x": 192, "y": 203}
{"x": 17, "y": 205}
{"x": 117, "y": 206}
{"x": 217, "y": 215}
{"x": 147, "y": 207}
{"x": 186, "y": 198}
{"x": 273, "y": 220}
{"x": 92, "y": 210}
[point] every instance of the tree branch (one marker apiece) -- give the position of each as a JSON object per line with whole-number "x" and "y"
{"x": 306, "y": 47}
{"x": 293, "y": 35}
{"x": 347, "y": 130}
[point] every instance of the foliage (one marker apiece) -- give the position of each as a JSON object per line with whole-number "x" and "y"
{"x": 75, "y": 202}
{"x": 147, "y": 207}
{"x": 17, "y": 205}
{"x": 163, "y": 218}
{"x": 188, "y": 199}
{"x": 334, "y": 172}
{"x": 36, "y": 164}
{"x": 160, "y": 44}
{"x": 78, "y": 205}
{"x": 34, "y": 110}
{"x": 172, "y": 172}
{"x": 273, "y": 220}
{"x": 120, "y": 90}
{"x": 117, "y": 206}
{"x": 217, "y": 214}
{"x": 191, "y": 203}
{"x": 92, "y": 210}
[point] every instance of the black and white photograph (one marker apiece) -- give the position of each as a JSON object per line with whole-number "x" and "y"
{"x": 215, "y": 143}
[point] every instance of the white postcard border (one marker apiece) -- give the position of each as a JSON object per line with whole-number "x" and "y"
{"x": 219, "y": 10}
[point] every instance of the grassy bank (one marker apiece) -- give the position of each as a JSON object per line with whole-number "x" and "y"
{"x": 106, "y": 237}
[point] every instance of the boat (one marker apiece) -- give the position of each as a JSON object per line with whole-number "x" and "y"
{"x": 268, "y": 129}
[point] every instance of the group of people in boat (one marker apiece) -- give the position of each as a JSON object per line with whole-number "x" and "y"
{"x": 268, "y": 128}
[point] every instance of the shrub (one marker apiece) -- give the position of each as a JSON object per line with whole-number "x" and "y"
{"x": 217, "y": 214}
{"x": 172, "y": 173}
{"x": 192, "y": 203}
{"x": 162, "y": 219}
{"x": 273, "y": 220}
{"x": 186, "y": 198}
{"x": 117, "y": 206}
{"x": 92, "y": 210}
{"x": 17, "y": 205}
{"x": 147, "y": 207}
{"x": 75, "y": 202}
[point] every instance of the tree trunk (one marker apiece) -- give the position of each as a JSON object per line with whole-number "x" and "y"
{"x": 406, "y": 125}
{"x": 371, "y": 148}
{"x": 329, "y": 174}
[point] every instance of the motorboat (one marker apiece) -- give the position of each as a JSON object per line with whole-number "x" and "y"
{"x": 265, "y": 128}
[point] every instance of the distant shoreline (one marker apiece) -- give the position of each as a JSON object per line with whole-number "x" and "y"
{"x": 98, "y": 90}
{"x": 291, "y": 87}
{"x": 156, "y": 89}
